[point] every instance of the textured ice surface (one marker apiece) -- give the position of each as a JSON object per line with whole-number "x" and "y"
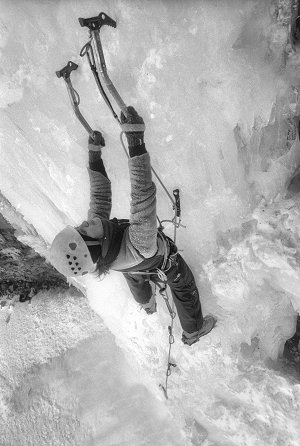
{"x": 212, "y": 82}
{"x": 61, "y": 383}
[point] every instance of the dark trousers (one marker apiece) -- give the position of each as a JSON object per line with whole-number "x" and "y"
{"x": 183, "y": 288}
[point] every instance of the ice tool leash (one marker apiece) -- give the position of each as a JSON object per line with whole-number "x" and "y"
{"x": 94, "y": 24}
{"x": 65, "y": 73}
{"x": 94, "y": 53}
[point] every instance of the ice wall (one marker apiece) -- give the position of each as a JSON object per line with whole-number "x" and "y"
{"x": 61, "y": 382}
{"x": 209, "y": 79}
{"x": 213, "y": 83}
{"x": 193, "y": 70}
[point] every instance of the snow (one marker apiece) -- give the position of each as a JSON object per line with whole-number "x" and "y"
{"x": 79, "y": 396}
{"x": 218, "y": 96}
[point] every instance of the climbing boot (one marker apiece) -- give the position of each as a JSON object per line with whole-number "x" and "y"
{"x": 150, "y": 307}
{"x": 208, "y": 324}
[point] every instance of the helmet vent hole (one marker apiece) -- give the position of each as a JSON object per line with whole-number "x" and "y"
{"x": 76, "y": 264}
{"x": 72, "y": 269}
{"x": 79, "y": 268}
{"x": 67, "y": 256}
{"x": 74, "y": 258}
{"x": 70, "y": 263}
{"x": 73, "y": 246}
{"x": 85, "y": 255}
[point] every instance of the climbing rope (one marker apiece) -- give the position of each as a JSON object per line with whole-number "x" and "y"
{"x": 160, "y": 272}
{"x": 92, "y": 47}
{"x": 163, "y": 292}
{"x": 87, "y": 50}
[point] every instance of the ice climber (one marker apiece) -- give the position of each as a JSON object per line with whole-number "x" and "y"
{"x": 100, "y": 243}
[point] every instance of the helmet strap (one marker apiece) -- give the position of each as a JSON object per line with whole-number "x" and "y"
{"x": 92, "y": 243}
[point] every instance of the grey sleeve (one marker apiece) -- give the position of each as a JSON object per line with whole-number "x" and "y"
{"x": 143, "y": 225}
{"x": 100, "y": 195}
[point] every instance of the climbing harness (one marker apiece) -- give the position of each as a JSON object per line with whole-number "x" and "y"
{"x": 93, "y": 51}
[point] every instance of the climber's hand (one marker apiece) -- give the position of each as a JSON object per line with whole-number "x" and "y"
{"x": 97, "y": 142}
{"x": 133, "y": 126}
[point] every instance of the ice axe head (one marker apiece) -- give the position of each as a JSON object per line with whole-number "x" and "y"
{"x": 66, "y": 71}
{"x": 95, "y": 23}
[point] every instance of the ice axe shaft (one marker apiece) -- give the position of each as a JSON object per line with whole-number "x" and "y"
{"x": 88, "y": 51}
{"x": 94, "y": 24}
{"x": 77, "y": 112}
{"x": 65, "y": 73}
{"x": 103, "y": 72}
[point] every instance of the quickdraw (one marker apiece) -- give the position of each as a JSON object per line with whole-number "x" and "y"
{"x": 170, "y": 365}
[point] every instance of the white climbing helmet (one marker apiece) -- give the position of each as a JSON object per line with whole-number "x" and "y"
{"x": 69, "y": 254}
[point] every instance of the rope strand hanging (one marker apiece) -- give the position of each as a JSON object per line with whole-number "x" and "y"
{"x": 91, "y": 49}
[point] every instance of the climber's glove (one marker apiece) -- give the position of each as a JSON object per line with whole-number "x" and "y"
{"x": 133, "y": 126}
{"x": 95, "y": 144}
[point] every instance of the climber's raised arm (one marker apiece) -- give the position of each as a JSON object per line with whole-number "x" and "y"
{"x": 143, "y": 226}
{"x": 100, "y": 186}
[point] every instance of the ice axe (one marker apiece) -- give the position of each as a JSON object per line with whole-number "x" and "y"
{"x": 65, "y": 73}
{"x": 94, "y": 24}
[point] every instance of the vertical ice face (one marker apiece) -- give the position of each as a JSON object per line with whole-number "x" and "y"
{"x": 205, "y": 77}
{"x": 194, "y": 71}
{"x": 218, "y": 95}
